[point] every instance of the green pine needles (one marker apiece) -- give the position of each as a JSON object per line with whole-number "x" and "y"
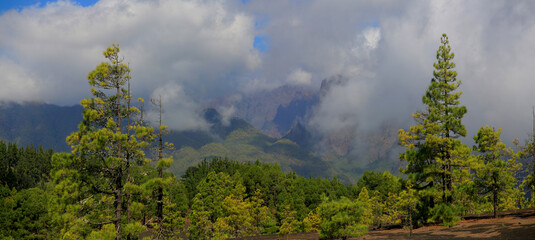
{"x": 437, "y": 160}
{"x": 95, "y": 180}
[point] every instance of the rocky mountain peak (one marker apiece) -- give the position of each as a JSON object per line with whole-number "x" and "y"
{"x": 328, "y": 83}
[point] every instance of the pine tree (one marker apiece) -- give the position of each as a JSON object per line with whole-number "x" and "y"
{"x": 162, "y": 163}
{"x": 263, "y": 219}
{"x": 407, "y": 203}
{"x": 368, "y": 206}
{"x": 342, "y": 219}
{"x": 496, "y": 166}
{"x": 289, "y": 222}
{"x": 437, "y": 161}
{"x": 312, "y": 221}
{"x": 95, "y": 176}
{"x": 207, "y": 205}
{"x": 527, "y": 155}
{"x": 237, "y": 220}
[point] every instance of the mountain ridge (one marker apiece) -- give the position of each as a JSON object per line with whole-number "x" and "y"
{"x": 240, "y": 141}
{"x": 297, "y": 145}
{"x": 36, "y": 123}
{"x": 49, "y": 125}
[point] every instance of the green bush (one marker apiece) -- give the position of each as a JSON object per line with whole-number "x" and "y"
{"x": 448, "y": 214}
{"x": 341, "y": 219}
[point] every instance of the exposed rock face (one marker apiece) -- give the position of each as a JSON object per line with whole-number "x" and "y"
{"x": 273, "y": 112}
{"x": 285, "y": 112}
{"x": 328, "y": 83}
{"x": 300, "y": 135}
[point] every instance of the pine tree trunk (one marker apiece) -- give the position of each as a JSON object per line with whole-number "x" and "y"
{"x": 495, "y": 202}
{"x": 444, "y": 183}
{"x": 160, "y": 174}
{"x": 128, "y": 196}
{"x": 118, "y": 211}
{"x": 410, "y": 223}
{"x": 449, "y": 198}
{"x": 118, "y": 180}
{"x": 160, "y": 201}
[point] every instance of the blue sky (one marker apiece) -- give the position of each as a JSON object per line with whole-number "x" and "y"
{"x": 261, "y": 43}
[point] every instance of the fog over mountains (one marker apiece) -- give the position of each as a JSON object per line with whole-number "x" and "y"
{"x": 273, "y": 126}
{"x": 299, "y": 114}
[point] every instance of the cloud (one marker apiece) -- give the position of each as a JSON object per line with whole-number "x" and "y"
{"x": 299, "y": 77}
{"x": 206, "y": 49}
{"x": 202, "y": 46}
{"x": 366, "y": 42}
{"x": 17, "y": 84}
{"x": 179, "y": 111}
{"x": 227, "y": 113}
{"x": 342, "y": 107}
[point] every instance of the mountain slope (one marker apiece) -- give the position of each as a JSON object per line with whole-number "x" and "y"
{"x": 344, "y": 154}
{"x": 49, "y": 125}
{"x": 292, "y": 112}
{"x": 240, "y": 141}
{"x": 39, "y": 124}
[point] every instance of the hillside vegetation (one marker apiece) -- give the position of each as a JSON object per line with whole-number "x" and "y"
{"x": 241, "y": 142}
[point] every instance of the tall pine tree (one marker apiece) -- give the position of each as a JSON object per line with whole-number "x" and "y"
{"x": 436, "y": 158}
{"x": 93, "y": 179}
{"x": 161, "y": 183}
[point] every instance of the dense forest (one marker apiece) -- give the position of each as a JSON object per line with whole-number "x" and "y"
{"x": 108, "y": 188}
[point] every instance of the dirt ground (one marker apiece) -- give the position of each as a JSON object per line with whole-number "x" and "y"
{"x": 512, "y": 225}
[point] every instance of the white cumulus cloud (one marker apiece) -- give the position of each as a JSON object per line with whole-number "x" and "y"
{"x": 179, "y": 111}
{"x": 299, "y": 77}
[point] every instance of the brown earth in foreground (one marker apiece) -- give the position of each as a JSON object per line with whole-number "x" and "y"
{"x": 510, "y": 225}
